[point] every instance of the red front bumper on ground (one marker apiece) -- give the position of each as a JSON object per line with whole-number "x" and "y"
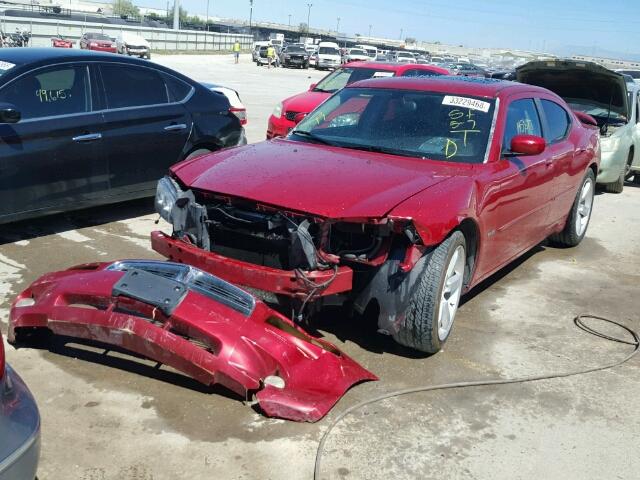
{"x": 282, "y": 282}
{"x": 196, "y": 323}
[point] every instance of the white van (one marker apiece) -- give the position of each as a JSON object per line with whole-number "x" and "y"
{"x": 371, "y": 51}
{"x": 328, "y": 55}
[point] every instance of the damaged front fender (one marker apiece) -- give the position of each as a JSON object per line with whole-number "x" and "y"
{"x": 196, "y": 323}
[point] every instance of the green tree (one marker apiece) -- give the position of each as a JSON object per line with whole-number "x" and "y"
{"x": 125, "y": 7}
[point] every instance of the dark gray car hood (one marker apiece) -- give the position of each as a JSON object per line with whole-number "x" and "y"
{"x": 578, "y": 82}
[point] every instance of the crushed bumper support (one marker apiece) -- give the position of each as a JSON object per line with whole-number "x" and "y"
{"x": 283, "y": 282}
{"x": 196, "y": 323}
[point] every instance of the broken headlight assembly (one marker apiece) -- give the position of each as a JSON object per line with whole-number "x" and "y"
{"x": 167, "y": 192}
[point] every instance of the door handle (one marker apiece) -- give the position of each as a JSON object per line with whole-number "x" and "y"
{"x": 175, "y": 127}
{"x": 89, "y": 137}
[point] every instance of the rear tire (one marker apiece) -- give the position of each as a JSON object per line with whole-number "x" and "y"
{"x": 429, "y": 318}
{"x": 636, "y": 178}
{"x": 615, "y": 187}
{"x": 580, "y": 215}
{"x": 627, "y": 168}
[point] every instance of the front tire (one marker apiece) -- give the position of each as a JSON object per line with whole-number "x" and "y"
{"x": 432, "y": 308}
{"x": 580, "y": 215}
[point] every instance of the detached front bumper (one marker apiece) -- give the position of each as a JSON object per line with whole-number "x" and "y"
{"x": 19, "y": 429}
{"x": 196, "y": 323}
{"x": 282, "y": 282}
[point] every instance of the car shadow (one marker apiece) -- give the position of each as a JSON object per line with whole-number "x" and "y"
{"x": 62, "y": 222}
{"x": 363, "y": 329}
{"x": 113, "y": 357}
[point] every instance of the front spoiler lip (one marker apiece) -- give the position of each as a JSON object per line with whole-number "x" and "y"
{"x": 282, "y": 282}
{"x": 200, "y": 337}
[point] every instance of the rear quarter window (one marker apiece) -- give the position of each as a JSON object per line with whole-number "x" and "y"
{"x": 557, "y": 121}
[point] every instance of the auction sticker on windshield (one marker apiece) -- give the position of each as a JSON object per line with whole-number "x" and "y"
{"x": 466, "y": 102}
{"x": 6, "y": 65}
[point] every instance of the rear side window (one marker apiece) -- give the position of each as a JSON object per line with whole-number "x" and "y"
{"x": 557, "y": 121}
{"x": 62, "y": 90}
{"x": 130, "y": 86}
{"x": 522, "y": 119}
{"x": 178, "y": 90}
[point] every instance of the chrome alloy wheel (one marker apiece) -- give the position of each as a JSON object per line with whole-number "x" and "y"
{"x": 451, "y": 291}
{"x": 585, "y": 202}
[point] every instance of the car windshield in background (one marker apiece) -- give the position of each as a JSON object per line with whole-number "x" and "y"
{"x": 600, "y": 112}
{"x": 345, "y": 76}
{"x": 97, "y": 36}
{"x": 296, "y": 50}
{"x": 632, "y": 73}
{"x": 355, "y": 51}
{"x": 328, "y": 51}
{"x": 417, "y": 124}
{"x": 405, "y": 55}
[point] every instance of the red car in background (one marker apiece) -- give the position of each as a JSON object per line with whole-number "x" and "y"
{"x": 61, "y": 42}
{"x": 395, "y": 196}
{"x": 98, "y": 42}
{"x": 282, "y": 120}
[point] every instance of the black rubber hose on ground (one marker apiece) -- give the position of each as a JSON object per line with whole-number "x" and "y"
{"x": 578, "y": 321}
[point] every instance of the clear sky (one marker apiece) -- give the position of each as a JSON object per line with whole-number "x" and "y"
{"x": 551, "y": 25}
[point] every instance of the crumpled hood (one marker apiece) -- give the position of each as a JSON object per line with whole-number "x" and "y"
{"x": 577, "y": 81}
{"x": 304, "y": 102}
{"x": 329, "y": 182}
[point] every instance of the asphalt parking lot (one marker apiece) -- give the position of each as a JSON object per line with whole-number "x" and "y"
{"x": 106, "y": 416}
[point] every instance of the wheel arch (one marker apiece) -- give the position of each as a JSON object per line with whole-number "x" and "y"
{"x": 471, "y": 232}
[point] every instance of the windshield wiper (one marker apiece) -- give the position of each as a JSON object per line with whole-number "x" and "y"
{"x": 390, "y": 151}
{"x": 313, "y": 137}
{"x": 322, "y": 90}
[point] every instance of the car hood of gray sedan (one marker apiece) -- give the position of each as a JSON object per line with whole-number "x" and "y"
{"x": 578, "y": 82}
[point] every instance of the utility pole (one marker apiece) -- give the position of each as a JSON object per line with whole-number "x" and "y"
{"x": 289, "y": 19}
{"x": 176, "y": 14}
{"x": 370, "y": 32}
{"x": 250, "y": 14}
{"x": 207, "y": 24}
{"x": 401, "y": 31}
{"x": 338, "y": 25}
{"x": 309, "y": 16}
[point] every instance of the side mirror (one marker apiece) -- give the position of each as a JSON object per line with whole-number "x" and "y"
{"x": 312, "y": 86}
{"x": 527, "y": 145}
{"x": 9, "y": 113}
{"x": 299, "y": 117}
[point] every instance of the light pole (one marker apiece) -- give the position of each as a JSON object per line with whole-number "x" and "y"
{"x": 289, "y": 19}
{"x": 207, "y": 24}
{"x": 176, "y": 14}
{"x": 250, "y": 14}
{"x": 401, "y": 30}
{"x": 370, "y": 32}
{"x": 309, "y": 16}
{"x": 338, "y": 25}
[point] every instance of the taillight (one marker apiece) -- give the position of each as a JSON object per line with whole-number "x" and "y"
{"x": 241, "y": 113}
{"x": 1, "y": 357}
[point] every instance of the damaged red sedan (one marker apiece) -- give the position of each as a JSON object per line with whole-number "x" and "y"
{"x": 396, "y": 195}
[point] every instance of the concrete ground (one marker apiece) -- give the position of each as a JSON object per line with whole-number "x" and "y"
{"x": 112, "y": 417}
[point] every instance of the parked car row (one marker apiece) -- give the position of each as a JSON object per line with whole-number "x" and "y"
{"x": 126, "y": 43}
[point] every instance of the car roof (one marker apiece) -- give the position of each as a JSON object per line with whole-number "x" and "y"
{"x": 22, "y": 56}
{"x": 476, "y": 86}
{"x": 392, "y": 66}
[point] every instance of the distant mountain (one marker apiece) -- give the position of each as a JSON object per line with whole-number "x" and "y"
{"x": 570, "y": 50}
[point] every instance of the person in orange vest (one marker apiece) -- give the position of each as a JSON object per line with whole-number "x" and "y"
{"x": 236, "y": 51}
{"x": 271, "y": 54}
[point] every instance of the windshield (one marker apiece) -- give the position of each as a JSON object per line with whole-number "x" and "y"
{"x": 405, "y": 55}
{"x": 399, "y": 122}
{"x": 296, "y": 50}
{"x": 599, "y": 112}
{"x": 328, "y": 51}
{"x": 97, "y": 36}
{"x": 345, "y": 76}
{"x": 632, "y": 73}
{"x": 355, "y": 51}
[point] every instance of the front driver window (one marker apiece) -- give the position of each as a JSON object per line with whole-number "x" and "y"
{"x": 522, "y": 118}
{"x": 49, "y": 92}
